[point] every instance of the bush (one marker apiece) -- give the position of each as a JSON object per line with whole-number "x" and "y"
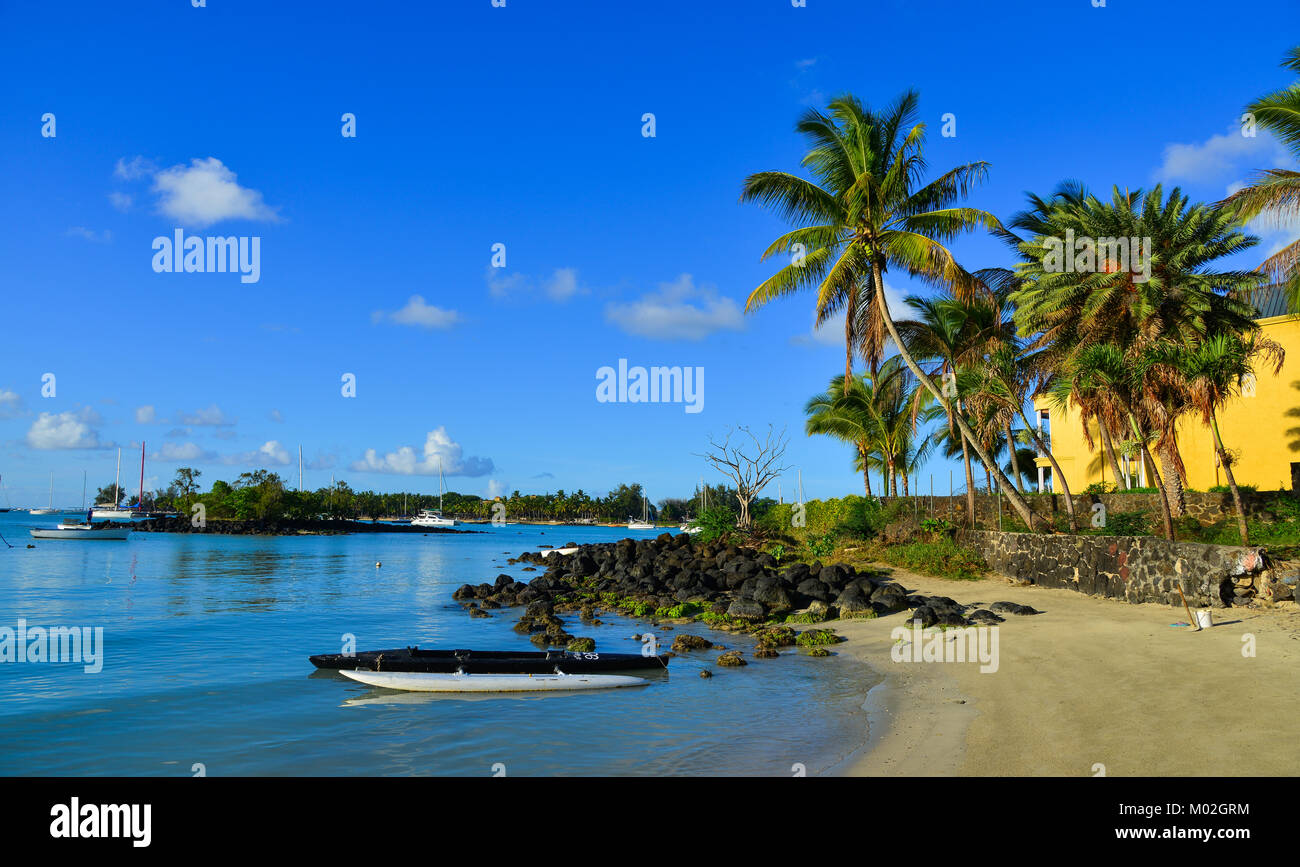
{"x": 715, "y": 522}
{"x": 1224, "y": 489}
{"x": 943, "y": 558}
{"x": 821, "y": 546}
{"x": 1097, "y": 488}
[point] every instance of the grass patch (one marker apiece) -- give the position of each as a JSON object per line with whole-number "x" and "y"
{"x": 942, "y": 558}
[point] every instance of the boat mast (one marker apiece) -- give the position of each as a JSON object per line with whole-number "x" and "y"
{"x": 439, "y": 484}
{"x": 51, "y": 490}
{"x": 142, "y": 475}
{"x": 300, "y": 468}
{"x": 117, "y": 477}
{"x": 83, "y": 490}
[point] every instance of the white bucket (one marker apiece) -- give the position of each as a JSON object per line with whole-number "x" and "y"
{"x": 1203, "y": 618}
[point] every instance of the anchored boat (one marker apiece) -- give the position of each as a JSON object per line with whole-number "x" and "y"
{"x": 82, "y": 531}
{"x": 429, "y": 682}
{"x": 413, "y": 659}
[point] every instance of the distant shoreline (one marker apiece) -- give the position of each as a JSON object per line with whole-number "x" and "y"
{"x": 253, "y": 527}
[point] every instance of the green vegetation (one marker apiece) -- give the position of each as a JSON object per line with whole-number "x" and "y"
{"x": 943, "y": 558}
{"x": 818, "y": 637}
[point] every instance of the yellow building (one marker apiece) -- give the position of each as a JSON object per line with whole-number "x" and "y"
{"x": 1261, "y": 427}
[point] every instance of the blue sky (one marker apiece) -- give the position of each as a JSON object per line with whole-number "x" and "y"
{"x": 519, "y": 126}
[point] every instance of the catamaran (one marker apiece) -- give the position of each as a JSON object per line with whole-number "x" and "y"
{"x": 645, "y": 523}
{"x": 434, "y": 517}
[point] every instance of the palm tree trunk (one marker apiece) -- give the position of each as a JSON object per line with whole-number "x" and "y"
{"x": 893, "y": 479}
{"x": 1017, "y": 502}
{"x": 1109, "y": 449}
{"x": 850, "y": 309}
{"x": 1165, "y": 512}
{"x": 1173, "y": 482}
{"x": 866, "y": 469}
{"x": 1057, "y": 475}
{"x": 1015, "y": 459}
{"x": 1226, "y": 463}
{"x": 906, "y": 492}
{"x": 970, "y": 485}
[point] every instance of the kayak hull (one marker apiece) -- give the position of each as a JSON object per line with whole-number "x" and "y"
{"x": 413, "y": 659}
{"x": 433, "y": 682}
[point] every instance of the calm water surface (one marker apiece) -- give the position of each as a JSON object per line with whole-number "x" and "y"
{"x": 206, "y": 641}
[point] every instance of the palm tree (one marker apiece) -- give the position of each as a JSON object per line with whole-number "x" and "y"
{"x": 864, "y": 215}
{"x": 1011, "y": 375}
{"x": 1276, "y": 192}
{"x": 1173, "y": 298}
{"x": 1207, "y": 376}
{"x": 848, "y": 414}
{"x": 1100, "y": 377}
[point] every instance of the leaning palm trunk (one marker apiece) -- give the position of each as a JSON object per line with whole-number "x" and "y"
{"x": 850, "y": 340}
{"x": 1165, "y": 513}
{"x": 1056, "y": 472}
{"x": 970, "y": 484}
{"x": 1015, "y": 459}
{"x": 1173, "y": 482}
{"x": 1109, "y": 448}
{"x": 1017, "y": 502}
{"x": 1226, "y": 462}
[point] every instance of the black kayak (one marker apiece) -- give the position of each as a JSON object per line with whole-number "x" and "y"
{"x": 487, "y": 661}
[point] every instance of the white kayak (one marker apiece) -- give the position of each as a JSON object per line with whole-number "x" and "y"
{"x": 423, "y": 681}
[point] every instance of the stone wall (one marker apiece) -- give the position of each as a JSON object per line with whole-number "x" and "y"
{"x": 1132, "y": 568}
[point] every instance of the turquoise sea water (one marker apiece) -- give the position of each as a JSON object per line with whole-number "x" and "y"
{"x": 206, "y": 641}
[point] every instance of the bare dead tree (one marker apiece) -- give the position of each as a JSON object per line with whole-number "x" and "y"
{"x": 751, "y": 464}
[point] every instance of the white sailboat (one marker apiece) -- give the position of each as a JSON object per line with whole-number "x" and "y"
{"x": 688, "y": 526}
{"x": 82, "y": 530}
{"x": 110, "y": 511}
{"x": 434, "y": 517}
{"x": 51, "y": 510}
{"x": 645, "y": 523}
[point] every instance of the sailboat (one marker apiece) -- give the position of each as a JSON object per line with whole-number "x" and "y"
{"x": 433, "y": 517}
{"x": 51, "y": 510}
{"x": 84, "y": 530}
{"x": 645, "y": 523}
{"x": 110, "y": 511}
{"x": 688, "y": 526}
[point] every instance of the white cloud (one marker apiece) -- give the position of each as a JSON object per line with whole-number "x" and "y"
{"x": 677, "y": 310}
{"x": 270, "y": 454}
{"x": 277, "y": 417}
{"x": 65, "y": 430}
{"x": 175, "y": 452}
{"x": 437, "y": 444}
{"x": 90, "y": 234}
{"x": 211, "y": 416}
{"x": 494, "y": 489}
{"x": 137, "y": 168}
{"x": 562, "y": 285}
{"x": 11, "y": 404}
{"x": 1220, "y": 157}
{"x": 207, "y": 191}
{"x": 145, "y": 415}
{"x": 419, "y": 314}
{"x": 121, "y": 201}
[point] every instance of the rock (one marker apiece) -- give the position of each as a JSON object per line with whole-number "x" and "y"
{"x": 731, "y": 658}
{"x": 706, "y": 673}
{"x": 583, "y": 644}
{"x": 984, "y": 616}
{"x": 691, "y": 642}
{"x": 813, "y": 588}
{"x": 819, "y": 651}
{"x": 777, "y": 636}
{"x": 1013, "y": 608}
{"x": 766, "y": 652}
{"x": 890, "y": 597}
{"x": 746, "y": 609}
{"x": 853, "y": 602}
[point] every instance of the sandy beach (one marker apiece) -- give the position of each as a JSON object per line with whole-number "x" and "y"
{"x": 1088, "y": 686}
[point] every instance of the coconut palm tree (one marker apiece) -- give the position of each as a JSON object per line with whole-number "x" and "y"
{"x": 865, "y": 213}
{"x": 848, "y": 414}
{"x": 1276, "y": 192}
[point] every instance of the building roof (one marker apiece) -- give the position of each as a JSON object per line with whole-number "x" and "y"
{"x": 1269, "y": 301}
